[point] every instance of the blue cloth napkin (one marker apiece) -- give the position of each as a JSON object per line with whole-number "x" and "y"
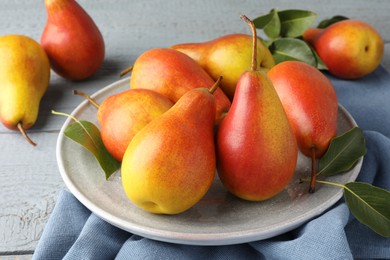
{"x": 73, "y": 232}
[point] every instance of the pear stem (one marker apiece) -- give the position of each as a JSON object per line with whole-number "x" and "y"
{"x": 313, "y": 170}
{"x": 254, "y": 34}
{"x": 216, "y": 85}
{"x": 91, "y": 100}
{"x": 125, "y": 71}
{"x": 21, "y": 129}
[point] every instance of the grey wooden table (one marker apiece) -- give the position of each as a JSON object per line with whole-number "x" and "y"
{"x": 29, "y": 177}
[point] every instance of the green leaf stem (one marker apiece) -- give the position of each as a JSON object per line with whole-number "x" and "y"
{"x": 370, "y": 205}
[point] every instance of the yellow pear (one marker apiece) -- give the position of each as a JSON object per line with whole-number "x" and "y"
{"x": 227, "y": 56}
{"x": 24, "y": 79}
{"x": 170, "y": 164}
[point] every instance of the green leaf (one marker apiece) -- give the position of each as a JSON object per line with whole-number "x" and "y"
{"x": 370, "y": 205}
{"x": 292, "y": 49}
{"x": 343, "y": 153}
{"x": 325, "y": 23}
{"x": 270, "y": 23}
{"x": 320, "y": 64}
{"x": 267, "y": 42}
{"x": 295, "y": 22}
{"x": 262, "y": 21}
{"x": 88, "y": 135}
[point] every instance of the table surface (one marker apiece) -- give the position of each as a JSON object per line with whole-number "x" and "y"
{"x": 29, "y": 176}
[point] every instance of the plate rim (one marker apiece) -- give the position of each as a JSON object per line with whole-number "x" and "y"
{"x": 211, "y": 239}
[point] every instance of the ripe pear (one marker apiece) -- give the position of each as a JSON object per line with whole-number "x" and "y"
{"x": 123, "y": 115}
{"x": 172, "y": 73}
{"x": 170, "y": 164}
{"x": 229, "y": 56}
{"x": 24, "y": 79}
{"x": 351, "y": 48}
{"x": 72, "y": 40}
{"x": 256, "y": 147}
{"x": 310, "y": 102}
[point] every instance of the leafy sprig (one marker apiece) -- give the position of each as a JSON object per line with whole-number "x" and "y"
{"x": 369, "y": 204}
{"x": 284, "y": 30}
{"x": 88, "y": 136}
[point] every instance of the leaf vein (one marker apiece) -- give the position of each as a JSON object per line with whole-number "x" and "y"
{"x": 364, "y": 202}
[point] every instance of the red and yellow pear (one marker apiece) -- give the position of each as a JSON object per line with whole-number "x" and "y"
{"x": 256, "y": 147}
{"x": 351, "y": 48}
{"x": 72, "y": 40}
{"x": 123, "y": 115}
{"x": 310, "y": 102}
{"x": 172, "y": 74}
{"x": 24, "y": 79}
{"x": 229, "y": 56}
{"x": 170, "y": 164}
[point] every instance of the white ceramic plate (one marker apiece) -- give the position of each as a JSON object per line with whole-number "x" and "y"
{"x": 218, "y": 219}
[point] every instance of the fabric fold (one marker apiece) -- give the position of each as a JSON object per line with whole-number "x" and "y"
{"x": 97, "y": 240}
{"x": 321, "y": 238}
{"x": 63, "y": 228}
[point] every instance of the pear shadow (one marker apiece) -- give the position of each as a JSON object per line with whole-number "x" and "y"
{"x": 52, "y": 97}
{"x": 60, "y": 89}
{"x": 110, "y": 68}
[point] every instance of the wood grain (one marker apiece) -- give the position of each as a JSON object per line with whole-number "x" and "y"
{"x": 29, "y": 177}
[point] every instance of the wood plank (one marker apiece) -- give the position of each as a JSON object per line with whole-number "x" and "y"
{"x": 16, "y": 257}
{"x": 30, "y": 181}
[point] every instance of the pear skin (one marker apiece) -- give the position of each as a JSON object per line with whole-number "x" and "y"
{"x": 256, "y": 148}
{"x": 172, "y": 73}
{"x": 123, "y": 115}
{"x": 228, "y": 56}
{"x": 24, "y": 79}
{"x": 72, "y": 40}
{"x": 170, "y": 164}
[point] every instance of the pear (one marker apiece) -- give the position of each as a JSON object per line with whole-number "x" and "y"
{"x": 172, "y": 73}
{"x": 123, "y": 115}
{"x": 24, "y": 79}
{"x": 229, "y": 56}
{"x": 350, "y": 49}
{"x": 170, "y": 164}
{"x": 256, "y": 147}
{"x": 310, "y": 102}
{"x": 72, "y": 40}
